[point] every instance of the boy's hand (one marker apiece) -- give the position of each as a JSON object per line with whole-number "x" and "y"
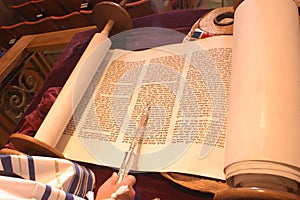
{"x": 110, "y": 186}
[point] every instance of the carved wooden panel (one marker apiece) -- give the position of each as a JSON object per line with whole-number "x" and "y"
{"x": 19, "y": 88}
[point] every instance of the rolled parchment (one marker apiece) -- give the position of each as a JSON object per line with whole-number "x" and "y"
{"x": 61, "y": 112}
{"x": 262, "y": 147}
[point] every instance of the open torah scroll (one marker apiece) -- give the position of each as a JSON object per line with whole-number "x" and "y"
{"x": 187, "y": 85}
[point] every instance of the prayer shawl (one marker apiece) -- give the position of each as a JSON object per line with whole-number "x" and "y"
{"x": 36, "y": 177}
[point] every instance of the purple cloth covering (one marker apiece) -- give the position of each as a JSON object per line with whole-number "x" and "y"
{"x": 149, "y": 185}
{"x": 35, "y": 118}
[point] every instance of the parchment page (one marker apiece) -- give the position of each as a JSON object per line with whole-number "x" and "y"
{"x": 187, "y": 87}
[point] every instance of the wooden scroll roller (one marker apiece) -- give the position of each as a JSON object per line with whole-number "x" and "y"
{"x": 109, "y": 17}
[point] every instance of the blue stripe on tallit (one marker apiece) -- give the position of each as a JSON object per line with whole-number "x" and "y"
{"x": 90, "y": 181}
{"x": 31, "y": 168}
{"x": 7, "y": 164}
{"x": 69, "y": 196}
{"x": 47, "y": 193}
{"x": 75, "y": 180}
